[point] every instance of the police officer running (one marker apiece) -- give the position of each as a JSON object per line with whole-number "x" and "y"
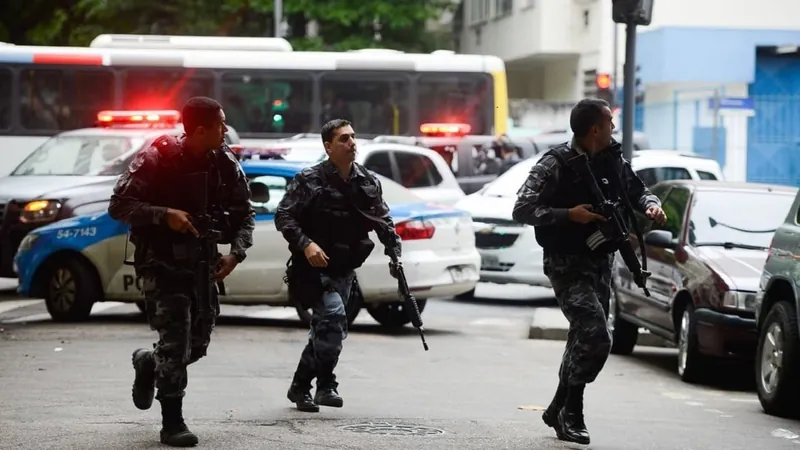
{"x": 155, "y": 196}
{"x": 325, "y": 216}
{"x": 557, "y": 202}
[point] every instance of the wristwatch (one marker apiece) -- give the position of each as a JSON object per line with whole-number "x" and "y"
{"x": 239, "y": 255}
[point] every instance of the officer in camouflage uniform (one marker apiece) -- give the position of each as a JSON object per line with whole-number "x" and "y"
{"x": 156, "y": 196}
{"x": 328, "y": 239}
{"x": 557, "y": 202}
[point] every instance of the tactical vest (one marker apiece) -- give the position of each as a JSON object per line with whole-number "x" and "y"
{"x": 574, "y": 190}
{"x": 334, "y": 224}
{"x": 179, "y": 183}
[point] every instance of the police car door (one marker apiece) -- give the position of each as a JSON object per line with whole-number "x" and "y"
{"x": 260, "y": 276}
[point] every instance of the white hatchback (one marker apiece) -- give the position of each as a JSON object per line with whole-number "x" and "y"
{"x": 509, "y": 251}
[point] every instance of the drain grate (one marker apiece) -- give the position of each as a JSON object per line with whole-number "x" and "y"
{"x": 393, "y": 429}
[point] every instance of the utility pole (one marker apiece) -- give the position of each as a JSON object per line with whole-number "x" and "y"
{"x": 278, "y": 18}
{"x": 631, "y": 13}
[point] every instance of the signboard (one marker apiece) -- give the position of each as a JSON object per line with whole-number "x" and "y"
{"x": 732, "y": 105}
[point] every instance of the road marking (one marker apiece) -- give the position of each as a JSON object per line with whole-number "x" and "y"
{"x": 676, "y": 395}
{"x": 494, "y": 321}
{"x": 694, "y": 403}
{"x": 273, "y": 313}
{"x": 14, "y": 304}
{"x": 744, "y": 400}
{"x": 41, "y": 317}
{"x": 785, "y": 434}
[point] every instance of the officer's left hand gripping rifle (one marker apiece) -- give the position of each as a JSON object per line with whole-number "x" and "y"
{"x": 614, "y": 232}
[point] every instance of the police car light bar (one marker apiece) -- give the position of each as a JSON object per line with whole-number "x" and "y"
{"x": 155, "y": 117}
{"x": 256, "y": 152}
{"x": 445, "y": 129}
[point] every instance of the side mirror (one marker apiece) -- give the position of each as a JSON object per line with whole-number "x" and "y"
{"x": 660, "y": 238}
{"x": 259, "y": 192}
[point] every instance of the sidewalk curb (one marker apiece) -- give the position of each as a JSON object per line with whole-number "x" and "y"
{"x": 560, "y": 334}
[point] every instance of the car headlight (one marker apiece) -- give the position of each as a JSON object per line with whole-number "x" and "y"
{"x": 744, "y": 301}
{"x": 27, "y": 242}
{"x": 40, "y": 211}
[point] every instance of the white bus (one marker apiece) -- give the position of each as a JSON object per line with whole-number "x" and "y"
{"x": 268, "y": 90}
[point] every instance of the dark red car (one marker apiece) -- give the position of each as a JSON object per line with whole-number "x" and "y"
{"x": 706, "y": 263}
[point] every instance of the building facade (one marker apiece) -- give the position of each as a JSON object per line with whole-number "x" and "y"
{"x": 718, "y": 77}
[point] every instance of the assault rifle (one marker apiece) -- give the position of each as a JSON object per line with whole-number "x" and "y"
{"x": 409, "y": 302}
{"x": 614, "y": 232}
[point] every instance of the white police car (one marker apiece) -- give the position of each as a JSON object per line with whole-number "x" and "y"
{"x": 73, "y": 173}
{"x": 79, "y": 261}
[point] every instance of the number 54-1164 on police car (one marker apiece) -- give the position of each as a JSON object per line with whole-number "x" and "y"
{"x": 73, "y": 233}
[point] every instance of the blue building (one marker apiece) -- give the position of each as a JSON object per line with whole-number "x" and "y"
{"x": 732, "y": 94}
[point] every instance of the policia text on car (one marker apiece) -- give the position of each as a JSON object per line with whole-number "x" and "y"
{"x": 557, "y": 200}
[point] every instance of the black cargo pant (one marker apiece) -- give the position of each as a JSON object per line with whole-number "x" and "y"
{"x": 184, "y": 325}
{"x": 582, "y": 285}
{"x": 327, "y": 332}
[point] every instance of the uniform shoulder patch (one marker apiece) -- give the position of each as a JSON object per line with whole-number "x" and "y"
{"x": 147, "y": 158}
{"x": 167, "y": 145}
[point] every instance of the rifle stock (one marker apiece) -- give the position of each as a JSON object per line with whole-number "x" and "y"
{"x": 409, "y": 302}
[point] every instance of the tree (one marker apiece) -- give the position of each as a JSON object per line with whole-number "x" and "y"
{"x": 343, "y": 24}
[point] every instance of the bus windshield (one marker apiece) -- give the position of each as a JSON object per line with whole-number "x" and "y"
{"x": 79, "y": 155}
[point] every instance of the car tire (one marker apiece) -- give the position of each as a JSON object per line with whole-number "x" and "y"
{"x": 393, "y": 315}
{"x": 778, "y": 362}
{"x": 352, "y": 308}
{"x": 624, "y": 334}
{"x": 691, "y": 362}
{"x": 469, "y": 295}
{"x": 72, "y": 289}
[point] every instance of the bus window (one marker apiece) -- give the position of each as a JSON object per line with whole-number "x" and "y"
{"x": 5, "y": 99}
{"x": 64, "y": 99}
{"x": 165, "y": 88}
{"x": 374, "y": 105}
{"x": 456, "y": 98}
{"x": 267, "y": 103}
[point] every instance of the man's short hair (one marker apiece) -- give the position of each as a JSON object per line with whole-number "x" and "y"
{"x": 329, "y": 128}
{"x": 199, "y": 112}
{"x": 587, "y": 114}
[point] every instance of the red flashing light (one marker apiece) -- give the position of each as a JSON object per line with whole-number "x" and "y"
{"x": 277, "y": 103}
{"x": 445, "y": 129}
{"x": 603, "y": 81}
{"x": 141, "y": 118}
{"x": 255, "y": 152}
{"x": 415, "y": 230}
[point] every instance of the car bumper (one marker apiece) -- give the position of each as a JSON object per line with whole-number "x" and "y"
{"x": 520, "y": 262}
{"x": 726, "y": 335}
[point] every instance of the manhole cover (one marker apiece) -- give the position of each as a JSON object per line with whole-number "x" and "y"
{"x": 393, "y": 429}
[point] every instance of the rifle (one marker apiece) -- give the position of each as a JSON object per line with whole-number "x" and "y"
{"x": 614, "y": 232}
{"x": 409, "y": 302}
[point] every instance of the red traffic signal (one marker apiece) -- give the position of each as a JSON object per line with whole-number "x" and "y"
{"x": 603, "y": 81}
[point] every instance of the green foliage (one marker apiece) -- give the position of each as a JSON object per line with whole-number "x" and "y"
{"x": 343, "y": 24}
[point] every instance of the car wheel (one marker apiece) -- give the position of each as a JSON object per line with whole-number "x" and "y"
{"x": 72, "y": 289}
{"x": 393, "y": 315}
{"x": 624, "y": 334}
{"x": 778, "y": 362}
{"x": 352, "y": 308}
{"x": 690, "y": 361}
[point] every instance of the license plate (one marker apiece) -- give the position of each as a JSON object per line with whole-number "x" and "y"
{"x": 489, "y": 261}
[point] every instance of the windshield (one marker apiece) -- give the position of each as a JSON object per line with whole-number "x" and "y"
{"x": 79, "y": 155}
{"x": 747, "y": 218}
{"x": 507, "y": 184}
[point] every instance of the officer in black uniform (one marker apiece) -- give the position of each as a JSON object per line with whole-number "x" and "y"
{"x": 324, "y": 218}
{"x": 558, "y": 203}
{"x": 161, "y": 197}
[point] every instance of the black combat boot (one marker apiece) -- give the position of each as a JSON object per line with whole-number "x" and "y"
{"x": 144, "y": 384}
{"x": 300, "y": 394}
{"x": 174, "y": 431}
{"x": 326, "y": 394}
{"x": 550, "y": 415}
{"x": 570, "y": 419}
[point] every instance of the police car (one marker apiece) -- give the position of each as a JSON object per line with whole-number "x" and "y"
{"x": 79, "y": 261}
{"x": 509, "y": 251}
{"x": 73, "y": 173}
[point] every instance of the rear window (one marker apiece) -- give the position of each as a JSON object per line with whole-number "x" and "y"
{"x": 706, "y": 175}
{"x": 395, "y": 194}
{"x": 655, "y": 175}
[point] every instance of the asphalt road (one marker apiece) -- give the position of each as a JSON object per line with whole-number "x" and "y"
{"x": 482, "y": 385}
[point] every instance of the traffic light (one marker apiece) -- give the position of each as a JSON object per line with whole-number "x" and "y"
{"x": 605, "y": 88}
{"x": 638, "y": 12}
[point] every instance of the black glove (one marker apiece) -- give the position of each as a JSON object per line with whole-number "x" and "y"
{"x": 394, "y": 268}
